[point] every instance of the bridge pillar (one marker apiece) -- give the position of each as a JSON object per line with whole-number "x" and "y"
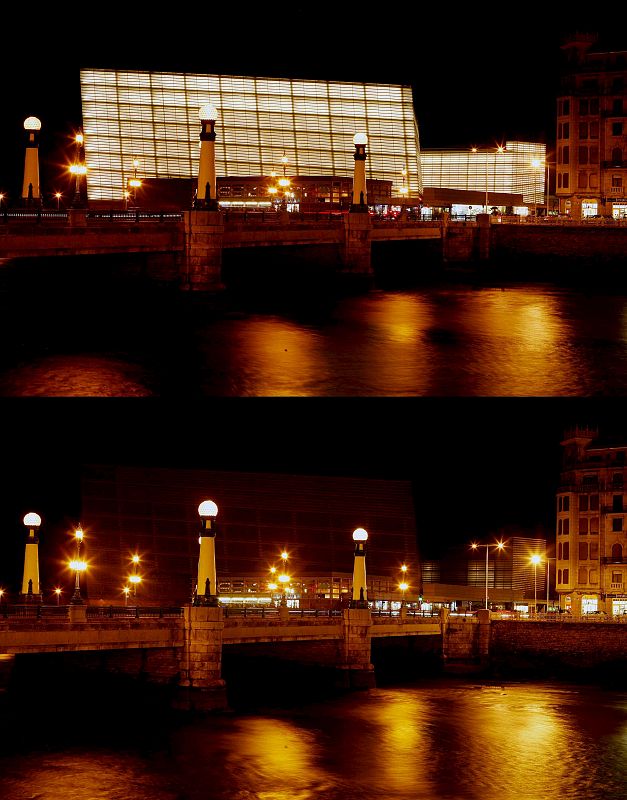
{"x": 356, "y": 670}
{"x": 357, "y": 244}
{"x": 77, "y": 217}
{"x": 483, "y": 236}
{"x": 484, "y": 616}
{"x": 204, "y": 235}
{"x": 201, "y": 687}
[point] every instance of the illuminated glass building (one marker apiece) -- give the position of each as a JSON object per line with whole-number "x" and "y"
{"x": 518, "y": 169}
{"x": 153, "y": 117}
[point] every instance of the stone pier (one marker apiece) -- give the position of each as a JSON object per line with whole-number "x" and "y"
{"x": 204, "y": 238}
{"x": 201, "y": 687}
{"x": 357, "y": 244}
{"x": 356, "y": 670}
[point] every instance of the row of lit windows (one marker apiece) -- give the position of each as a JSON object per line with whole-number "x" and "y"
{"x": 174, "y": 83}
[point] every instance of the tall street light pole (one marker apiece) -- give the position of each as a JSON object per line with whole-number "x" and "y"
{"x": 499, "y": 546}
{"x": 535, "y": 560}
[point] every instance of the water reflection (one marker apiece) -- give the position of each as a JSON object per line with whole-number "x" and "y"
{"x": 439, "y": 740}
{"x": 447, "y": 341}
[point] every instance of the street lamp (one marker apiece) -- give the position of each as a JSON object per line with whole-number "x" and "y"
{"x": 535, "y": 560}
{"x": 58, "y": 196}
{"x": 360, "y": 194}
{"x": 30, "y": 185}
{"x": 58, "y": 591}
{"x": 126, "y": 591}
{"x": 360, "y": 590}
{"x": 499, "y": 546}
{"x": 206, "y": 193}
{"x": 78, "y": 566}
{"x": 499, "y": 150}
{"x": 2, "y": 196}
{"x": 30, "y": 580}
{"x": 206, "y": 588}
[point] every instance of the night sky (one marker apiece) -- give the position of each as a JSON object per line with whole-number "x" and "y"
{"x": 480, "y": 73}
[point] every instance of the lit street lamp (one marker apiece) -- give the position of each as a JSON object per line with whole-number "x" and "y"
{"x": 58, "y": 196}
{"x": 535, "y": 560}
{"x": 360, "y": 193}
{"x": 206, "y": 588}
{"x": 58, "y": 591}
{"x": 360, "y": 590}
{"x": 30, "y": 580}
{"x": 284, "y": 579}
{"x": 126, "y": 591}
{"x": 78, "y": 566}
{"x": 206, "y": 193}
{"x": 499, "y": 546}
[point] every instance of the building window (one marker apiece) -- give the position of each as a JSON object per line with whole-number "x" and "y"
{"x": 559, "y": 180}
{"x": 617, "y": 128}
{"x": 565, "y": 180}
{"x": 617, "y": 502}
{"x": 566, "y": 527}
{"x": 565, "y": 576}
{"x": 594, "y": 130}
{"x": 583, "y": 502}
{"x": 583, "y": 575}
{"x": 583, "y": 108}
{"x": 559, "y": 575}
{"x": 582, "y": 180}
{"x": 592, "y": 84}
{"x": 583, "y": 130}
{"x": 566, "y": 551}
{"x": 618, "y": 83}
{"x": 617, "y": 524}
{"x": 594, "y": 106}
{"x": 617, "y": 552}
{"x": 583, "y": 154}
{"x": 566, "y": 154}
{"x": 559, "y": 527}
{"x": 566, "y": 131}
{"x": 617, "y": 181}
{"x": 594, "y": 154}
{"x": 594, "y": 525}
{"x": 583, "y": 551}
{"x": 566, "y": 108}
{"x": 583, "y": 526}
{"x": 594, "y": 502}
{"x": 559, "y": 551}
{"x": 617, "y": 577}
{"x": 617, "y": 155}
{"x": 594, "y": 576}
{"x": 594, "y": 551}
{"x": 617, "y": 107}
{"x": 590, "y": 480}
{"x": 567, "y": 503}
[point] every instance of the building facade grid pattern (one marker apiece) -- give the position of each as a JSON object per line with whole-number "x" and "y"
{"x": 153, "y": 117}
{"x": 520, "y": 169}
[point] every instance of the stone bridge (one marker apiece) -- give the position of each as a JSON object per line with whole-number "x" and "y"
{"x": 193, "y": 242}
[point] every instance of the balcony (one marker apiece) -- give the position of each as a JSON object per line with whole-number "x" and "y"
{"x": 610, "y": 560}
{"x": 617, "y": 587}
{"x": 614, "y": 164}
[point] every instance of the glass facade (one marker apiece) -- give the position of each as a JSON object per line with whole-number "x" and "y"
{"x": 153, "y": 117}
{"x": 519, "y": 169}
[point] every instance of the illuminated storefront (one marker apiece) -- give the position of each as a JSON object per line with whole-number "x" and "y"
{"x": 517, "y": 168}
{"x": 264, "y": 124}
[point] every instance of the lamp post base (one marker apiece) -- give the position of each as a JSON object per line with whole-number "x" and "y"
{"x": 206, "y": 600}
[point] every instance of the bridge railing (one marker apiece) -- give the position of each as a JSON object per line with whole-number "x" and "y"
{"x": 101, "y": 215}
{"x": 270, "y": 612}
{"x": 36, "y": 611}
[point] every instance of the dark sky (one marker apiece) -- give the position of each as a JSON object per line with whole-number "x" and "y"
{"x": 480, "y": 73}
{"x": 478, "y": 464}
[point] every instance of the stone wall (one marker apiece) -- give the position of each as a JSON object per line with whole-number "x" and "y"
{"x": 558, "y": 647}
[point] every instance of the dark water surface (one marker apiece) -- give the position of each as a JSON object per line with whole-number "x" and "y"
{"x": 437, "y": 740}
{"x": 65, "y": 335}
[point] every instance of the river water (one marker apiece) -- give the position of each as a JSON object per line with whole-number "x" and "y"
{"x": 439, "y": 739}
{"x": 75, "y": 339}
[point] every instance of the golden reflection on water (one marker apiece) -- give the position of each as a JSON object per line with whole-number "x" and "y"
{"x": 280, "y": 358}
{"x": 75, "y": 376}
